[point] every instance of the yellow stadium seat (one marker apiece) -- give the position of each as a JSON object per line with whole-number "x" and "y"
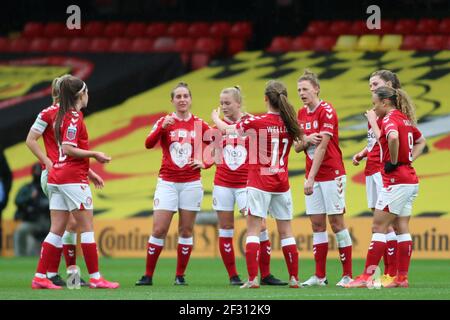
{"x": 369, "y": 42}
{"x": 346, "y": 43}
{"x": 391, "y": 42}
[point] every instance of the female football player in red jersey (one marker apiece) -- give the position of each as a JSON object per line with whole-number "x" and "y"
{"x": 372, "y": 171}
{"x": 268, "y": 190}
{"x": 401, "y": 143}
{"x": 325, "y": 179}
{"x": 179, "y": 187}
{"x": 230, "y": 183}
{"x": 43, "y": 127}
{"x": 68, "y": 187}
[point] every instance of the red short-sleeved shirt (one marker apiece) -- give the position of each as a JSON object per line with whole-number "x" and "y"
{"x": 44, "y": 125}
{"x": 373, "y": 163}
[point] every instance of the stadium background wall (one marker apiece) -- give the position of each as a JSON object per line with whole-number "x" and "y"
{"x": 128, "y": 238}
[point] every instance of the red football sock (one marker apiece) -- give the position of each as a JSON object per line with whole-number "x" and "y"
{"x": 320, "y": 250}
{"x": 49, "y": 253}
{"x": 375, "y": 252}
{"x": 252, "y": 249}
{"x": 404, "y": 253}
{"x": 70, "y": 254}
{"x": 227, "y": 251}
{"x": 390, "y": 255}
{"x": 345, "y": 254}
{"x": 53, "y": 265}
{"x": 183, "y": 254}
{"x": 265, "y": 251}
{"x": 290, "y": 253}
{"x": 89, "y": 248}
{"x": 154, "y": 248}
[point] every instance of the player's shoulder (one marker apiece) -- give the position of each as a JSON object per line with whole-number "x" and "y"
{"x": 327, "y": 107}
{"x": 196, "y": 118}
{"x": 49, "y": 110}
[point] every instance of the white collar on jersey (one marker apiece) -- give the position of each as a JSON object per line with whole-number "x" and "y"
{"x": 271, "y": 112}
{"x": 315, "y": 108}
{"x": 174, "y": 114}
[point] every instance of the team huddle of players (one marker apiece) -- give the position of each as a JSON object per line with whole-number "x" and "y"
{"x": 251, "y": 155}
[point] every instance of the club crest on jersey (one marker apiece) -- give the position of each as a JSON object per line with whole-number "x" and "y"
{"x": 71, "y": 132}
{"x": 308, "y": 125}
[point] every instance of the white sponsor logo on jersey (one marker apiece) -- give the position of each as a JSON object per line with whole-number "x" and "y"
{"x": 180, "y": 153}
{"x": 234, "y": 156}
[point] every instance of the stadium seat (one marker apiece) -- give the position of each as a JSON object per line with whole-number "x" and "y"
{"x": 177, "y": 29}
{"x": 18, "y": 45}
{"x": 114, "y": 29}
{"x": 427, "y": 26}
{"x": 39, "y": 45}
{"x": 412, "y": 42}
{"x": 339, "y": 27}
{"x": 435, "y": 42}
{"x": 447, "y": 45}
{"x": 164, "y": 44}
{"x": 79, "y": 45}
{"x": 219, "y": 29}
{"x": 241, "y": 30}
{"x": 368, "y": 42}
{"x": 59, "y": 45}
{"x": 198, "y": 30}
{"x": 184, "y": 45}
{"x": 444, "y": 26}
{"x": 387, "y": 27}
{"x": 135, "y": 30}
{"x": 199, "y": 60}
{"x": 301, "y": 43}
{"x": 93, "y": 29}
{"x": 280, "y": 44}
{"x": 324, "y": 43}
{"x": 141, "y": 45}
{"x": 33, "y": 29}
{"x": 391, "y": 42}
{"x": 346, "y": 43}
{"x": 235, "y": 45}
{"x": 205, "y": 45}
{"x": 100, "y": 45}
{"x": 156, "y": 29}
{"x": 317, "y": 28}
{"x": 4, "y": 44}
{"x": 405, "y": 26}
{"x": 120, "y": 45}
{"x": 54, "y": 29}
{"x": 73, "y": 33}
{"x": 358, "y": 28}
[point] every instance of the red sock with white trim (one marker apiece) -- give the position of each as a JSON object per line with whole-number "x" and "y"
{"x": 252, "y": 256}
{"x": 154, "y": 248}
{"x": 227, "y": 251}
{"x": 265, "y": 250}
{"x": 344, "y": 242}
{"x": 69, "y": 241}
{"x": 404, "y": 253}
{"x": 51, "y": 248}
{"x": 390, "y": 255}
{"x": 183, "y": 254}
{"x": 320, "y": 250}
{"x": 375, "y": 252}
{"x": 89, "y": 248}
{"x": 290, "y": 253}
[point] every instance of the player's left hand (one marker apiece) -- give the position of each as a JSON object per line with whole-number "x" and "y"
{"x": 196, "y": 164}
{"x": 389, "y": 167}
{"x": 97, "y": 180}
{"x": 371, "y": 115}
{"x": 308, "y": 188}
{"x": 215, "y": 114}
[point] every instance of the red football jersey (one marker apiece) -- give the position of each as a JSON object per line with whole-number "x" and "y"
{"x": 268, "y": 152}
{"x": 323, "y": 119}
{"x": 373, "y": 163}
{"x": 232, "y": 171}
{"x": 180, "y": 143}
{"x": 408, "y": 134}
{"x": 44, "y": 126}
{"x": 71, "y": 169}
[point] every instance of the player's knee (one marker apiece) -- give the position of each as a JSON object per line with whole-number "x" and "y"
{"x": 318, "y": 226}
{"x": 337, "y": 226}
{"x": 185, "y": 232}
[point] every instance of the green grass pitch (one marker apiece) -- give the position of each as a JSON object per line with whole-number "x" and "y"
{"x": 207, "y": 279}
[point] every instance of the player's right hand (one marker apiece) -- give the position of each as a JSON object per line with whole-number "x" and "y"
{"x": 215, "y": 114}
{"x": 101, "y": 157}
{"x": 168, "y": 121}
{"x": 314, "y": 138}
{"x": 356, "y": 159}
